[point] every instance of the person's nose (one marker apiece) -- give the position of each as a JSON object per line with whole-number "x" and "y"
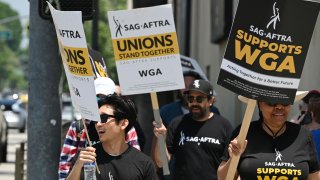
{"x": 279, "y": 106}
{"x": 98, "y": 124}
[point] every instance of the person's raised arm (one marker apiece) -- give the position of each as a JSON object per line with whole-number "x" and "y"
{"x": 158, "y": 130}
{"x": 86, "y": 156}
{"x": 234, "y": 148}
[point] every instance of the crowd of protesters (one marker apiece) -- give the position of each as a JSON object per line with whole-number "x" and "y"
{"x": 200, "y": 142}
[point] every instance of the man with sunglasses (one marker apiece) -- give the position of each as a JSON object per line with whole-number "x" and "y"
{"x": 196, "y": 140}
{"x": 76, "y": 137}
{"x": 180, "y": 107}
{"x": 115, "y": 158}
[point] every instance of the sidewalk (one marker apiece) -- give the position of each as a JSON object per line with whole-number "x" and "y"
{"x": 7, "y": 169}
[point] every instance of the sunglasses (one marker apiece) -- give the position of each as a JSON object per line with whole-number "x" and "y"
{"x": 104, "y": 117}
{"x": 198, "y": 99}
{"x": 275, "y": 104}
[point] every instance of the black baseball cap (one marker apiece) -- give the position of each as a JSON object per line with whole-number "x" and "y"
{"x": 312, "y": 93}
{"x": 202, "y": 86}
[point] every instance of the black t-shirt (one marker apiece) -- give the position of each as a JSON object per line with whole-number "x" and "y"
{"x": 131, "y": 165}
{"x": 197, "y": 146}
{"x": 291, "y": 155}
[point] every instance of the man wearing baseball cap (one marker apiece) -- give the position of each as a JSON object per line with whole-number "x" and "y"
{"x": 196, "y": 140}
{"x": 180, "y": 107}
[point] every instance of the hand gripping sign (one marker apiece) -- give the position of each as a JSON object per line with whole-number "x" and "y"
{"x": 265, "y": 55}
{"x": 147, "y": 55}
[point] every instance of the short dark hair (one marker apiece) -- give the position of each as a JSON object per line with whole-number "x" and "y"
{"x": 314, "y": 107}
{"x": 123, "y": 108}
{"x": 312, "y": 93}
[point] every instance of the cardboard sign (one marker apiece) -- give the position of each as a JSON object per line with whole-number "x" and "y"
{"x": 76, "y": 62}
{"x": 146, "y": 50}
{"x": 267, "y": 49}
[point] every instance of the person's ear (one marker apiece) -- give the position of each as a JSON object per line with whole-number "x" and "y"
{"x": 124, "y": 123}
{"x": 212, "y": 100}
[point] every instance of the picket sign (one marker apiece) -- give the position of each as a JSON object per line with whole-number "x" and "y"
{"x": 81, "y": 83}
{"x": 147, "y": 56}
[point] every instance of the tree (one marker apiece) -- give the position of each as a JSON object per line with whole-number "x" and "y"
{"x": 12, "y": 75}
{"x": 5, "y": 67}
{"x": 14, "y": 26}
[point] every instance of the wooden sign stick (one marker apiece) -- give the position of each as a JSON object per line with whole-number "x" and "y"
{"x": 251, "y": 103}
{"x": 88, "y": 139}
{"x": 161, "y": 140}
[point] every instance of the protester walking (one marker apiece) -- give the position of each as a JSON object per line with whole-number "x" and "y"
{"x": 76, "y": 138}
{"x": 274, "y": 149}
{"x": 114, "y": 157}
{"x": 196, "y": 140}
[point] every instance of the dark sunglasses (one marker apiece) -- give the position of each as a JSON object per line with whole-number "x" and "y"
{"x": 275, "y": 104}
{"x": 198, "y": 99}
{"x": 104, "y": 117}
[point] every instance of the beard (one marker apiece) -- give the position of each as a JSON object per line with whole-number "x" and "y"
{"x": 197, "y": 112}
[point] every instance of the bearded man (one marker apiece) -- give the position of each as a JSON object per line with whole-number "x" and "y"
{"x": 196, "y": 140}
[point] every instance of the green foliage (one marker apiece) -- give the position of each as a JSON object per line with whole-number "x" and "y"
{"x": 11, "y": 72}
{"x": 113, "y": 5}
{"x": 104, "y": 40}
{"x": 14, "y": 26}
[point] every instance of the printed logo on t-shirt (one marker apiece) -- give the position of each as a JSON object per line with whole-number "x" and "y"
{"x": 278, "y": 155}
{"x": 277, "y": 169}
{"x": 110, "y": 176}
{"x": 196, "y": 139}
{"x": 182, "y": 138}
